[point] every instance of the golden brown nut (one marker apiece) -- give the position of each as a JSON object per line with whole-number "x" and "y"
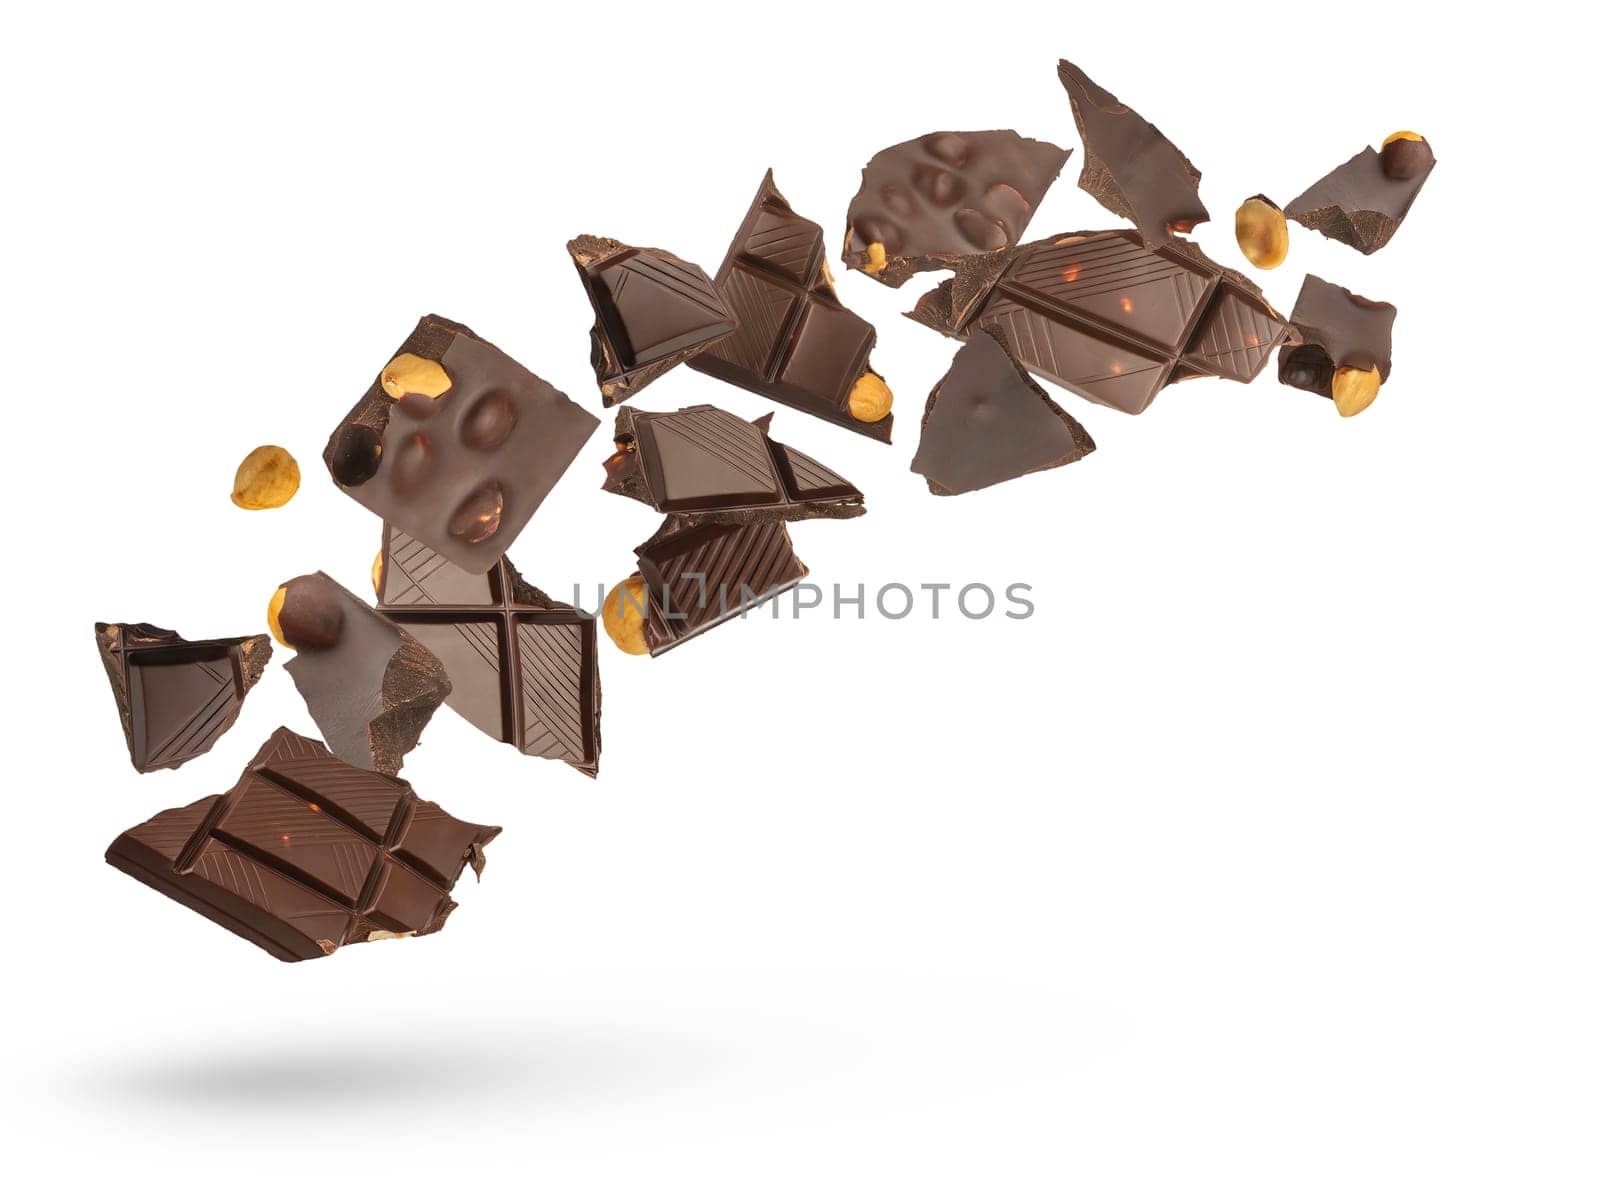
{"x": 1355, "y": 389}
{"x": 411, "y": 374}
{"x": 1262, "y": 232}
{"x": 870, "y": 398}
{"x": 377, "y": 573}
{"x": 1404, "y": 134}
{"x": 274, "y": 609}
{"x": 266, "y": 479}
{"x": 877, "y": 259}
{"x": 623, "y": 615}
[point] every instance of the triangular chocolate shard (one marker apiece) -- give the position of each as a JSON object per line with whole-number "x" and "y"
{"x": 176, "y": 697}
{"x": 1358, "y": 203}
{"x": 988, "y": 421}
{"x": 652, "y": 311}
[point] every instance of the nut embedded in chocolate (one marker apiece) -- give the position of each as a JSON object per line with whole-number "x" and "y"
{"x": 1262, "y": 232}
{"x": 870, "y": 398}
{"x": 1406, "y": 154}
{"x": 354, "y": 454}
{"x": 409, "y": 373}
{"x": 624, "y": 614}
{"x": 305, "y": 614}
{"x": 1355, "y": 389}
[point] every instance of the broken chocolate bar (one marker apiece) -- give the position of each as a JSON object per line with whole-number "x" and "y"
{"x": 456, "y": 443}
{"x": 1128, "y": 166}
{"x": 1110, "y": 318}
{"x": 1363, "y": 202}
{"x": 652, "y": 310}
{"x": 988, "y": 421}
{"x": 705, "y": 464}
{"x": 522, "y": 667}
{"x": 795, "y": 344}
{"x": 1340, "y": 332}
{"x": 370, "y": 686}
{"x": 306, "y": 853}
{"x": 927, "y": 203}
{"x": 176, "y": 698}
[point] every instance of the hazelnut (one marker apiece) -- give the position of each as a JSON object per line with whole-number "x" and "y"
{"x": 1405, "y": 155}
{"x": 1262, "y": 232}
{"x": 412, "y": 374}
{"x": 870, "y": 398}
{"x": 877, "y": 259}
{"x": 266, "y": 479}
{"x": 1354, "y": 389}
{"x": 377, "y": 574}
{"x": 623, "y": 615}
{"x": 306, "y": 614}
{"x": 356, "y": 455}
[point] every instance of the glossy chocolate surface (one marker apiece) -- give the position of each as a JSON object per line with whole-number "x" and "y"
{"x": 1358, "y": 203}
{"x": 1337, "y": 330}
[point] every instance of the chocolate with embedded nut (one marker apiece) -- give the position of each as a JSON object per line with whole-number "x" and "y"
{"x": 1338, "y": 330}
{"x": 1364, "y": 201}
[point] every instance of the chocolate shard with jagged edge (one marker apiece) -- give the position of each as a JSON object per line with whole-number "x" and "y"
{"x": 704, "y": 464}
{"x": 1129, "y": 167}
{"x": 652, "y": 310}
{"x": 927, "y": 203}
{"x": 175, "y": 697}
{"x": 1337, "y": 330}
{"x": 523, "y": 668}
{"x": 1109, "y": 317}
{"x": 987, "y": 421}
{"x": 1363, "y": 202}
{"x": 369, "y": 685}
{"x": 796, "y": 343}
{"x": 456, "y": 443}
{"x": 305, "y": 854}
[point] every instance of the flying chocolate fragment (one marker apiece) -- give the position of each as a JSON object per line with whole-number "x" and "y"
{"x": 1363, "y": 202}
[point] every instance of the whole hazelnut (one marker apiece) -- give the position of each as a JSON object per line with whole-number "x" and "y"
{"x": 1405, "y": 155}
{"x": 623, "y": 615}
{"x": 306, "y": 613}
{"x": 1262, "y": 232}
{"x": 412, "y": 374}
{"x": 267, "y": 478}
{"x": 1355, "y": 389}
{"x": 870, "y": 398}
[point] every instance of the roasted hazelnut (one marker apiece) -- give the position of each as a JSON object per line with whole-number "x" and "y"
{"x": 489, "y": 423}
{"x": 1355, "y": 389}
{"x": 1405, "y": 155}
{"x": 377, "y": 574}
{"x": 870, "y": 398}
{"x": 356, "y": 454}
{"x": 623, "y": 615}
{"x": 877, "y": 259}
{"x": 306, "y": 614}
{"x": 1262, "y": 232}
{"x": 478, "y": 516}
{"x": 412, "y": 374}
{"x": 1307, "y": 367}
{"x": 267, "y": 478}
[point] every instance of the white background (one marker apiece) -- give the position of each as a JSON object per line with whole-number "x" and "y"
{"x": 1262, "y": 858}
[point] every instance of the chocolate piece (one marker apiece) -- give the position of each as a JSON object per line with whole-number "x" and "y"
{"x": 1337, "y": 330}
{"x": 795, "y": 344}
{"x": 1128, "y": 166}
{"x": 652, "y": 310}
{"x": 705, "y": 464}
{"x": 925, "y": 204}
{"x": 697, "y": 577}
{"x": 305, "y": 853}
{"x": 522, "y": 667}
{"x": 988, "y": 421}
{"x": 176, "y": 698}
{"x": 369, "y": 685}
{"x": 1360, "y": 204}
{"x": 462, "y": 471}
{"x": 1110, "y": 318}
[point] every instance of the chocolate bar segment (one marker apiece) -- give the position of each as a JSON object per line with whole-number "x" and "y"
{"x": 987, "y": 421}
{"x": 306, "y": 853}
{"x": 1360, "y": 203}
{"x": 175, "y": 697}
{"x": 925, "y": 204}
{"x": 370, "y": 686}
{"x": 1109, "y": 317}
{"x": 795, "y": 343}
{"x": 652, "y": 310}
{"x": 1129, "y": 166}
{"x": 1337, "y": 330}
{"x": 704, "y": 464}
{"x": 523, "y": 668}
{"x": 456, "y": 443}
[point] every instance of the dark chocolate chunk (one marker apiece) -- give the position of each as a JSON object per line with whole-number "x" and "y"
{"x": 697, "y": 577}
{"x": 988, "y": 421}
{"x": 705, "y": 464}
{"x": 522, "y": 667}
{"x": 306, "y": 853}
{"x": 1337, "y": 330}
{"x": 456, "y": 443}
{"x": 370, "y": 686}
{"x": 795, "y": 344}
{"x": 652, "y": 310}
{"x": 1362, "y": 203}
{"x": 175, "y": 697}
{"x": 1128, "y": 166}
{"x": 925, "y": 204}
{"x": 1109, "y": 317}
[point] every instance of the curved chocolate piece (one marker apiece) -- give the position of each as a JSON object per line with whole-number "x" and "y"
{"x": 1128, "y": 166}
{"x": 1338, "y": 330}
{"x": 987, "y": 421}
{"x": 1358, "y": 204}
{"x": 306, "y": 853}
{"x": 924, "y": 204}
{"x": 176, "y": 697}
{"x": 652, "y": 310}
